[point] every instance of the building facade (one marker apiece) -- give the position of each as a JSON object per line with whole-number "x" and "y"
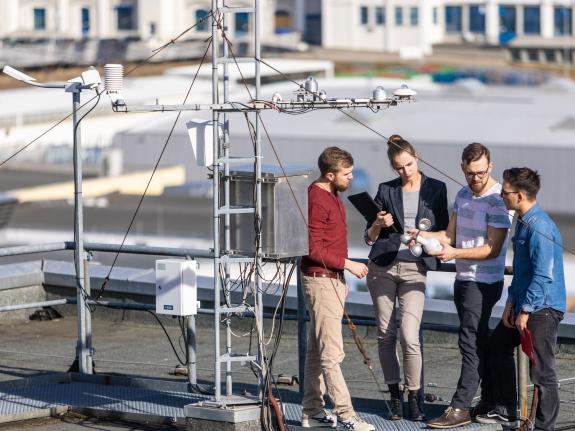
{"x": 408, "y": 27}
{"x": 414, "y": 26}
{"x": 120, "y": 19}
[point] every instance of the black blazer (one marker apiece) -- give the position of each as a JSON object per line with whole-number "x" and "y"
{"x": 432, "y": 205}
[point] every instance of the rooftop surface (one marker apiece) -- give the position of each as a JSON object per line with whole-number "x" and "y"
{"x": 132, "y": 344}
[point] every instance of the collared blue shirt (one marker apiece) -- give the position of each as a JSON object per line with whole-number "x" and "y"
{"x": 538, "y": 278}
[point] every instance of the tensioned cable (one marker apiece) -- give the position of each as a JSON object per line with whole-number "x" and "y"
{"x": 511, "y": 214}
{"x": 107, "y": 278}
{"x": 56, "y": 124}
{"x": 170, "y": 42}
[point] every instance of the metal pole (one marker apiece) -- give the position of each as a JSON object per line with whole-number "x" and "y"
{"x": 216, "y": 190}
{"x": 227, "y": 241}
{"x": 82, "y": 352}
{"x": 191, "y": 346}
{"x": 522, "y": 373}
{"x": 258, "y": 207}
{"x": 88, "y": 322}
{"x": 34, "y": 248}
{"x": 301, "y": 331}
{"x": 42, "y": 304}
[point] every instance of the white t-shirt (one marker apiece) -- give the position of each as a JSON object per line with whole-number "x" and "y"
{"x": 474, "y": 214}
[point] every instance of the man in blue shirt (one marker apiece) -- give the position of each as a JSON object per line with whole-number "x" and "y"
{"x": 535, "y": 305}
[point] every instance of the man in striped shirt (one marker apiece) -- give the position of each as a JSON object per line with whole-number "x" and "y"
{"x": 476, "y": 238}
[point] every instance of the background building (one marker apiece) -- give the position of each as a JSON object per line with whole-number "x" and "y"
{"x": 544, "y": 28}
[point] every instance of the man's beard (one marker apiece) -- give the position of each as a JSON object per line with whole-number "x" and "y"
{"x": 340, "y": 187}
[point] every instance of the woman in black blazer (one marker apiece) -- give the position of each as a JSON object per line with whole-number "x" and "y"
{"x": 394, "y": 273}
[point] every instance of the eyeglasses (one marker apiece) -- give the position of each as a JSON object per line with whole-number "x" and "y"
{"x": 505, "y": 193}
{"x": 480, "y": 174}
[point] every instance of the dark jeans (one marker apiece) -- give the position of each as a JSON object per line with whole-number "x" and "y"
{"x": 543, "y": 325}
{"x": 474, "y": 302}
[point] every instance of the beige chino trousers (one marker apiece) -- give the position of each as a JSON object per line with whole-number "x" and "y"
{"x": 325, "y": 347}
{"x": 404, "y": 281}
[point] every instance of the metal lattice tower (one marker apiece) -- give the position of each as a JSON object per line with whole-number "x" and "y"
{"x": 222, "y": 59}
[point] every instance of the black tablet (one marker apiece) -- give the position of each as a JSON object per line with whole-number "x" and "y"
{"x": 365, "y": 205}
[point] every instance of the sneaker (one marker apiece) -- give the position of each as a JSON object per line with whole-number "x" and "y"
{"x": 355, "y": 423}
{"x": 450, "y": 418}
{"x": 481, "y": 408}
{"x": 320, "y": 420}
{"x": 494, "y": 417}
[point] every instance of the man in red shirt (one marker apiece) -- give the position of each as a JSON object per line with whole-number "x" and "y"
{"x": 325, "y": 291}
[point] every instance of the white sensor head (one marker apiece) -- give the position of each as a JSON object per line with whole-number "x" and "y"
{"x": 404, "y": 92}
{"x": 311, "y": 85}
{"x": 379, "y": 94}
{"x": 91, "y": 78}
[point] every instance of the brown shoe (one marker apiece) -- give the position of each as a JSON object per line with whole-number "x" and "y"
{"x": 451, "y": 418}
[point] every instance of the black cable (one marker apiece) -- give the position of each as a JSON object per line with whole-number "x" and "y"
{"x": 44, "y": 133}
{"x": 171, "y": 42}
{"x": 168, "y": 337}
{"x": 107, "y": 278}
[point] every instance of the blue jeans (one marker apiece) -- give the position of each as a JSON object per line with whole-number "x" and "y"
{"x": 474, "y": 302}
{"x": 543, "y": 325}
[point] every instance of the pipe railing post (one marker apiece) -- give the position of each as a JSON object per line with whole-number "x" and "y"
{"x": 191, "y": 347}
{"x": 82, "y": 352}
{"x": 301, "y": 330}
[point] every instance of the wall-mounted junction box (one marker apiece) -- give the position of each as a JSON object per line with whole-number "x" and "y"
{"x": 177, "y": 287}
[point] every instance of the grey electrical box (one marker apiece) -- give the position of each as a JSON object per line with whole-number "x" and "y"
{"x": 284, "y": 231}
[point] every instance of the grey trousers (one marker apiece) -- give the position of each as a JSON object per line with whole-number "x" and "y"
{"x": 404, "y": 281}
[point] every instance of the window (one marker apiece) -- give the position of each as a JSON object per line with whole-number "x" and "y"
{"x": 380, "y": 16}
{"x": 39, "y": 18}
{"x": 531, "y": 20}
{"x": 435, "y": 15}
{"x": 453, "y": 19}
{"x": 364, "y": 15}
{"x": 201, "y": 25}
{"x": 242, "y": 23}
{"x": 85, "y": 17}
{"x": 477, "y": 19}
{"x": 413, "y": 16}
{"x": 125, "y": 18}
{"x": 283, "y": 22}
{"x": 563, "y": 21}
{"x": 398, "y": 16}
{"x": 507, "y": 19}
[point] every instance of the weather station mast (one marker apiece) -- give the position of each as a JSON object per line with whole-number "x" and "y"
{"x": 215, "y": 147}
